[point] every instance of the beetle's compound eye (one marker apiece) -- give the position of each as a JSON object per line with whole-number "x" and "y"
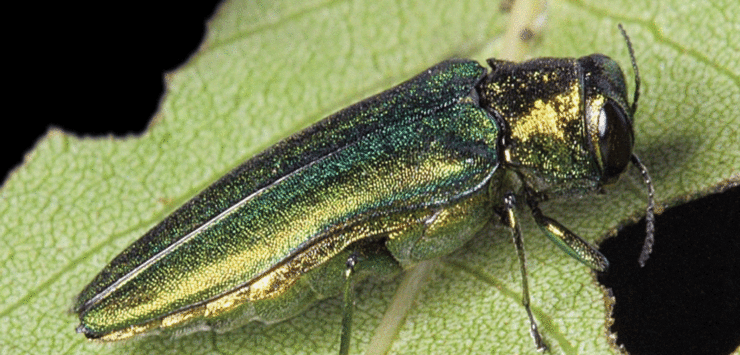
{"x": 615, "y": 140}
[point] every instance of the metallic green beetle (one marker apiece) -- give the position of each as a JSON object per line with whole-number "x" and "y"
{"x": 407, "y": 175}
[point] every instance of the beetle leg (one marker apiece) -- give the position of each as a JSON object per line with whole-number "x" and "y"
{"x": 511, "y": 221}
{"x": 348, "y": 304}
{"x": 572, "y": 244}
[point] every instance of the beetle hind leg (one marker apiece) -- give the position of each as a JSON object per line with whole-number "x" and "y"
{"x": 348, "y": 304}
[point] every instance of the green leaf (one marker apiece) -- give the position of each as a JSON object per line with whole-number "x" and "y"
{"x": 267, "y": 70}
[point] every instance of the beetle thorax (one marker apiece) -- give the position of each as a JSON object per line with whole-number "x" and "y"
{"x": 541, "y": 107}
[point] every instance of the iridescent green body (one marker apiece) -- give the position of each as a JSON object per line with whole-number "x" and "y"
{"x": 407, "y": 175}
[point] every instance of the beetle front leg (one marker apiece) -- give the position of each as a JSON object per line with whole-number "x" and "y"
{"x": 572, "y": 244}
{"x": 511, "y": 221}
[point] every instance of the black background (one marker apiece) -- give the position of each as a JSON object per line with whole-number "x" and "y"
{"x": 92, "y": 69}
{"x": 686, "y": 300}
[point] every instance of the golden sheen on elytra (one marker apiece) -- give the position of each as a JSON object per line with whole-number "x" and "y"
{"x": 404, "y": 176}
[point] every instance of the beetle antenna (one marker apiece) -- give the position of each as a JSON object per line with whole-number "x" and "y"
{"x": 647, "y": 246}
{"x": 634, "y": 66}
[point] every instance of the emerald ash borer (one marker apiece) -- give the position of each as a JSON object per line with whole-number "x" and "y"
{"x": 404, "y": 176}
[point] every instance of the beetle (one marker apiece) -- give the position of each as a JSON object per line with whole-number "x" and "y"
{"x": 407, "y": 175}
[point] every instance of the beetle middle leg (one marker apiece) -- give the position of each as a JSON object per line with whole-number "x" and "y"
{"x": 513, "y": 224}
